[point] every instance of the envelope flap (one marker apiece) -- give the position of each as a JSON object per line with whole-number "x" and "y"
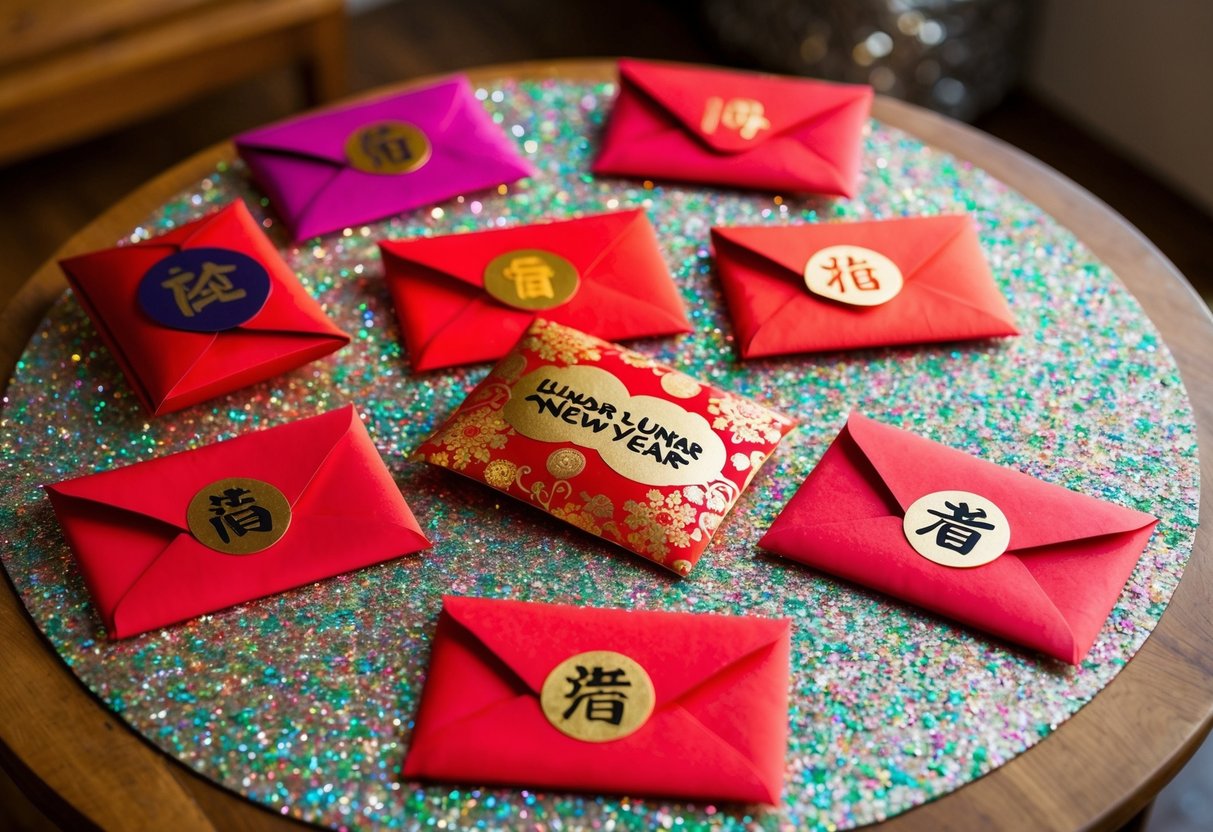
{"x": 322, "y": 135}
{"x": 287, "y": 457}
{"x": 83, "y": 268}
{"x": 583, "y": 242}
{"x": 290, "y": 309}
{"x": 229, "y": 227}
{"x": 910, "y": 243}
{"x": 688, "y": 95}
{"x": 679, "y": 652}
{"x": 1039, "y": 513}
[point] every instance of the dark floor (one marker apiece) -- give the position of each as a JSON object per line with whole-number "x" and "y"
{"x": 44, "y": 200}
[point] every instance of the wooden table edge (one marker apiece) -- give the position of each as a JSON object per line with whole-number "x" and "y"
{"x": 1057, "y": 784}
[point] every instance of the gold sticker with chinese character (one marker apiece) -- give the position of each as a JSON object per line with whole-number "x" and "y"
{"x": 597, "y": 696}
{"x": 387, "y": 147}
{"x": 853, "y": 274}
{"x": 531, "y": 279}
{"x": 238, "y": 516}
{"x": 957, "y": 528}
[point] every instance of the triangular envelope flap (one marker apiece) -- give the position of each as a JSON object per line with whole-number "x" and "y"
{"x": 290, "y": 309}
{"x": 313, "y": 549}
{"x": 582, "y": 242}
{"x": 287, "y": 457}
{"x": 136, "y": 258}
{"x": 323, "y": 135}
{"x": 678, "y": 651}
{"x": 354, "y": 481}
{"x": 229, "y": 227}
{"x": 683, "y": 91}
{"x": 910, "y": 243}
{"x": 1039, "y": 513}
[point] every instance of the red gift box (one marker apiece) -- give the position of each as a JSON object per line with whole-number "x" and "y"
{"x": 149, "y": 561}
{"x": 619, "y": 286}
{"x": 946, "y": 293}
{"x": 723, "y": 127}
{"x": 1065, "y": 563}
{"x": 610, "y": 441}
{"x": 189, "y": 273}
{"x": 510, "y": 699}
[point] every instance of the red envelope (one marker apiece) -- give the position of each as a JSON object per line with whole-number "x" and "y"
{"x": 1068, "y": 559}
{"x": 447, "y": 318}
{"x": 170, "y": 369}
{"x": 948, "y": 294}
{"x": 717, "y": 732}
{"x": 724, "y": 127}
{"x": 144, "y": 569}
{"x": 609, "y": 441}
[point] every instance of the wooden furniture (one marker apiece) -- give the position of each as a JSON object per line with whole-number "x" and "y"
{"x": 1095, "y": 772}
{"x": 73, "y": 68}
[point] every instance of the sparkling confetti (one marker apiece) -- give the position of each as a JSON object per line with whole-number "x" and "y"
{"x": 304, "y": 701}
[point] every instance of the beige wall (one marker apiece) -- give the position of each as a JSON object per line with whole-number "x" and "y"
{"x": 1137, "y": 73}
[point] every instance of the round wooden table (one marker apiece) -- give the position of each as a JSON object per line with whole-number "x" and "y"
{"x": 81, "y": 765}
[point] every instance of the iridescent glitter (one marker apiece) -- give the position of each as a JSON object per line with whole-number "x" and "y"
{"x": 304, "y": 701}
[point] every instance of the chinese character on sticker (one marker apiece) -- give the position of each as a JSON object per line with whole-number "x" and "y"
{"x": 862, "y": 275}
{"x": 239, "y": 513}
{"x": 386, "y": 147}
{"x": 745, "y": 115}
{"x": 531, "y": 276}
{"x": 193, "y": 293}
{"x": 593, "y": 689}
{"x": 958, "y": 530}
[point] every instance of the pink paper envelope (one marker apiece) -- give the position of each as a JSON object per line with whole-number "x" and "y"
{"x": 1067, "y": 561}
{"x": 304, "y": 167}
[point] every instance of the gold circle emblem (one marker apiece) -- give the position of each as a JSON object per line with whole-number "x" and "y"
{"x": 500, "y": 473}
{"x": 957, "y": 528}
{"x": 387, "y": 147}
{"x": 510, "y": 367}
{"x": 531, "y": 278}
{"x": 597, "y": 696}
{"x": 854, "y": 275}
{"x": 566, "y": 463}
{"x": 238, "y": 516}
{"x": 679, "y": 385}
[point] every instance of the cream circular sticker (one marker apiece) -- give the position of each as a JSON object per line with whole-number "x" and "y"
{"x": 531, "y": 279}
{"x": 238, "y": 516}
{"x": 597, "y": 696}
{"x": 854, "y": 275}
{"x": 957, "y": 528}
{"x": 387, "y": 147}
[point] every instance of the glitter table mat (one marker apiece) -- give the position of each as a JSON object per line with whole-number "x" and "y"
{"x": 303, "y": 702}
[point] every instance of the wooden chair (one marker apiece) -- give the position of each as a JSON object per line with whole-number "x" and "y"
{"x": 70, "y": 69}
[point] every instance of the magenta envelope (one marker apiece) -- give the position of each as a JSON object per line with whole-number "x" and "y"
{"x": 304, "y": 164}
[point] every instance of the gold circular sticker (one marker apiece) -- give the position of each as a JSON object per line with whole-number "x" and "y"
{"x": 238, "y": 516}
{"x": 500, "y": 473}
{"x": 957, "y": 528}
{"x": 597, "y": 696}
{"x": 387, "y": 147}
{"x": 854, "y": 275}
{"x": 531, "y": 278}
{"x": 566, "y": 463}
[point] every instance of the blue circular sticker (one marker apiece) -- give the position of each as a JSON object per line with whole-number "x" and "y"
{"x": 204, "y": 289}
